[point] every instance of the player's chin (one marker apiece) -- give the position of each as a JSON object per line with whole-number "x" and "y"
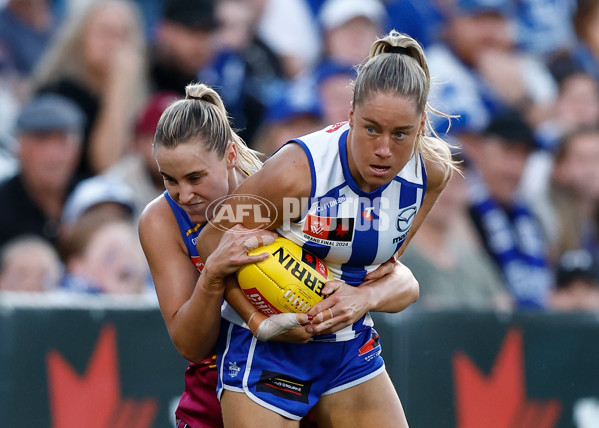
{"x": 374, "y": 182}
{"x": 198, "y": 217}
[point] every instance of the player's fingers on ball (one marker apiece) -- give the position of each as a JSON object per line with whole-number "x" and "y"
{"x": 324, "y": 315}
{"x": 258, "y": 241}
{"x": 332, "y": 286}
{"x": 255, "y": 258}
{"x": 319, "y": 307}
{"x": 303, "y": 318}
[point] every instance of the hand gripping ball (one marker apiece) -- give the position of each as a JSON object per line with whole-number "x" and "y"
{"x": 289, "y": 280}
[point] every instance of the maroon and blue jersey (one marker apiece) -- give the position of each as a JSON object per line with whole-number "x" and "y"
{"x": 199, "y": 406}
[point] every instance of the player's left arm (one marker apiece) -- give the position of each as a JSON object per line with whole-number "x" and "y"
{"x": 438, "y": 176}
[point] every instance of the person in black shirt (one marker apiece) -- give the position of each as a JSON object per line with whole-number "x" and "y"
{"x": 49, "y": 132}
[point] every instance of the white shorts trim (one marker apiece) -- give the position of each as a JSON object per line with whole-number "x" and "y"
{"x": 355, "y": 382}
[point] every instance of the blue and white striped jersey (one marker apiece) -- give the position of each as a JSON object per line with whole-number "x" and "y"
{"x": 353, "y": 231}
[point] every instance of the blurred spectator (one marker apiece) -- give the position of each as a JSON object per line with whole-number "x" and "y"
{"x": 247, "y": 74}
{"x": 296, "y": 113}
{"x": 570, "y": 212}
{"x": 49, "y": 132}
{"x": 577, "y": 283}
{"x": 586, "y": 23}
{"x": 138, "y": 169}
{"x": 289, "y": 29}
{"x": 504, "y": 220}
{"x": 447, "y": 259}
{"x": 544, "y": 27}
{"x": 103, "y": 255}
{"x": 576, "y": 107}
{"x": 421, "y": 19}
{"x": 101, "y": 195}
{"x": 578, "y": 102}
{"x": 11, "y": 88}
{"x": 183, "y": 44}
{"x": 98, "y": 61}
{"x": 26, "y": 27}
{"x": 349, "y": 27}
{"x": 9, "y": 109}
{"x": 151, "y": 11}
{"x": 480, "y": 72}
{"x": 29, "y": 263}
{"x": 334, "y": 88}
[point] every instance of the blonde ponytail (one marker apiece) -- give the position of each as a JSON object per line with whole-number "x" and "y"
{"x": 397, "y": 64}
{"x": 203, "y": 114}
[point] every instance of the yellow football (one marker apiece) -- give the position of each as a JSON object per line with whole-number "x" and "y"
{"x": 289, "y": 280}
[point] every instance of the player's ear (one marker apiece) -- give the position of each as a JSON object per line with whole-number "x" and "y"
{"x": 351, "y": 114}
{"x": 422, "y": 126}
{"x": 231, "y": 155}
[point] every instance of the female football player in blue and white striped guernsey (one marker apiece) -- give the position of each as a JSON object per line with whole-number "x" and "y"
{"x": 202, "y": 160}
{"x": 354, "y": 194}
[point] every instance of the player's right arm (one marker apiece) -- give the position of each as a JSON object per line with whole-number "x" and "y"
{"x": 190, "y": 303}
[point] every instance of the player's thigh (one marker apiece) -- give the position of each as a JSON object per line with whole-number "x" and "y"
{"x": 239, "y": 411}
{"x": 373, "y": 403}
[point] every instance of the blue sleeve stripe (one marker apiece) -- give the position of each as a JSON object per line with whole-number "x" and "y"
{"x": 312, "y": 174}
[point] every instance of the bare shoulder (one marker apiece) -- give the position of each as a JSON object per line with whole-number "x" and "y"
{"x": 156, "y": 212}
{"x": 157, "y": 224}
{"x": 286, "y": 173}
{"x": 438, "y": 165}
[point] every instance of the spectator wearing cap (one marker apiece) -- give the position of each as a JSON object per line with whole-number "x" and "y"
{"x": 503, "y": 219}
{"x": 48, "y": 131}
{"x": 98, "y": 61}
{"x": 100, "y": 194}
{"x": 577, "y": 283}
{"x": 98, "y": 241}
{"x": 138, "y": 168}
{"x": 482, "y": 73}
{"x": 183, "y": 45}
{"x": 296, "y": 112}
{"x": 349, "y": 27}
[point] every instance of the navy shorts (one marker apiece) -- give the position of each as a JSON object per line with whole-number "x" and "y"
{"x": 290, "y": 378}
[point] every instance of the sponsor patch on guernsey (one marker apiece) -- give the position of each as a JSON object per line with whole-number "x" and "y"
{"x": 332, "y": 231}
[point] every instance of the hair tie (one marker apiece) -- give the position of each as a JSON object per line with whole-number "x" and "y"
{"x": 398, "y": 50}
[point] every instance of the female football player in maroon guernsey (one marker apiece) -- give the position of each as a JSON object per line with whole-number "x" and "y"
{"x": 202, "y": 159}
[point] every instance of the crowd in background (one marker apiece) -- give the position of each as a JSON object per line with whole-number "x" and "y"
{"x": 83, "y": 83}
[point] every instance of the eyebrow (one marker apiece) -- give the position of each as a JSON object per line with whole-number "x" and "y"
{"x": 402, "y": 128}
{"x": 201, "y": 173}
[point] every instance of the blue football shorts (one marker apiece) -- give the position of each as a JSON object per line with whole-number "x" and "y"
{"x": 290, "y": 378}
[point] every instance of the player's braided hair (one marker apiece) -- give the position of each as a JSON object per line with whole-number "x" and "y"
{"x": 202, "y": 115}
{"x": 397, "y": 64}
